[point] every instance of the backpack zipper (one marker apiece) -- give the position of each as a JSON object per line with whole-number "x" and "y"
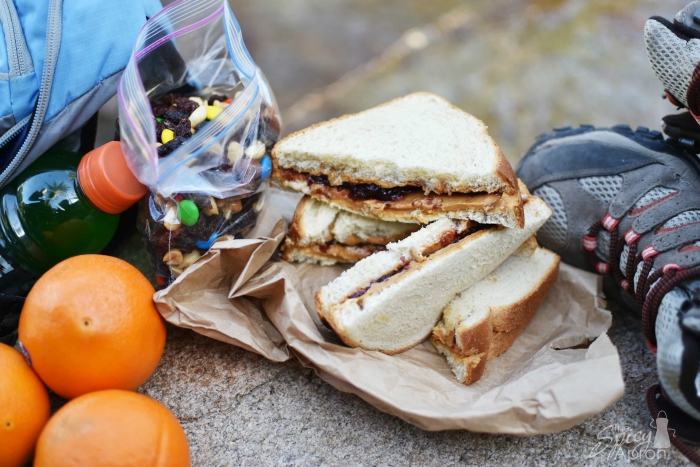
{"x": 20, "y": 61}
{"x": 53, "y": 45}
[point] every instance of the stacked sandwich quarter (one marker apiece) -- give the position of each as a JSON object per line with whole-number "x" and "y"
{"x": 418, "y": 195}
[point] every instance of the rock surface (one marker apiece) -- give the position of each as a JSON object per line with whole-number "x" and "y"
{"x": 521, "y": 66}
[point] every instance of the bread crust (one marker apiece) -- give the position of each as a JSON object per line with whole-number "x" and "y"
{"x": 296, "y": 231}
{"x": 344, "y": 303}
{"x": 330, "y": 312}
{"x": 506, "y": 324}
{"x": 327, "y": 254}
{"x": 298, "y": 248}
{"x": 503, "y": 168}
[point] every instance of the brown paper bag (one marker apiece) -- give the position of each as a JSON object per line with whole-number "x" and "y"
{"x": 540, "y": 385}
{"x": 201, "y": 298}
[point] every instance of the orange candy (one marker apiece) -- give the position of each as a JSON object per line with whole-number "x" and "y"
{"x": 24, "y": 408}
{"x": 90, "y": 324}
{"x": 112, "y": 428}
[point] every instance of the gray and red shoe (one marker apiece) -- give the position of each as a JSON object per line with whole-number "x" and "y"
{"x": 627, "y": 203}
{"x": 673, "y": 48}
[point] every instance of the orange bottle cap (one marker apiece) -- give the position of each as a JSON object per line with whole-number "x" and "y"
{"x": 107, "y": 181}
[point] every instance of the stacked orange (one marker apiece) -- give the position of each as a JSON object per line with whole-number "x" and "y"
{"x": 24, "y": 408}
{"x": 90, "y": 324}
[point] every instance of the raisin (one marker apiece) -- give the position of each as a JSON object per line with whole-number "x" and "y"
{"x": 169, "y": 99}
{"x": 216, "y": 97}
{"x": 159, "y": 109}
{"x": 183, "y": 128}
{"x": 169, "y": 125}
{"x": 170, "y": 146}
{"x": 186, "y": 105}
{"x": 175, "y": 116}
{"x": 160, "y": 126}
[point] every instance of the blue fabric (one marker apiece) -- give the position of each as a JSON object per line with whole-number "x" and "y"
{"x": 96, "y": 42}
{"x": 24, "y": 91}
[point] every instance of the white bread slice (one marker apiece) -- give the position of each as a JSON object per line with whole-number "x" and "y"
{"x": 420, "y": 140}
{"x": 320, "y": 233}
{"x": 484, "y": 320}
{"x": 400, "y": 312}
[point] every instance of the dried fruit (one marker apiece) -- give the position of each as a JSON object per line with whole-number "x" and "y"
{"x": 170, "y": 146}
{"x": 183, "y": 128}
{"x": 185, "y": 104}
{"x": 175, "y": 116}
{"x": 216, "y": 97}
{"x": 159, "y": 109}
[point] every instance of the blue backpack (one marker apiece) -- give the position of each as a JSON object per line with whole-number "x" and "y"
{"x": 59, "y": 63}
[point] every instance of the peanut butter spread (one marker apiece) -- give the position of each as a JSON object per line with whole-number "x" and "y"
{"x": 399, "y": 203}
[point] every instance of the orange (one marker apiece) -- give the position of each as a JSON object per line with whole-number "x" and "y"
{"x": 90, "y": 323}
{"x": 24, "y": 408}
{"x": 112, "y": 428}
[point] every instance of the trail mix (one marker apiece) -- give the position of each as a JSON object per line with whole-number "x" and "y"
{"x": 180, "y": 229}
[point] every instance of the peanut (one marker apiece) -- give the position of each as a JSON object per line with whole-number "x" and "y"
{"x": 213, "y": 210}
{"x": 173, "y": 258}
{"x": 189, "y": 259}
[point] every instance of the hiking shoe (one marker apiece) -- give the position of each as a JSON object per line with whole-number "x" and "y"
{"x": 673, "y": 48}
{"x": 627, "y": 203}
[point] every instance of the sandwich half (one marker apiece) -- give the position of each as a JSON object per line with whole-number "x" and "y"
{"x": 414, "y": 159}
{"x": 320, "y": 233}
{"x": 391, "y": 300}
{"x": 484, "y": 320}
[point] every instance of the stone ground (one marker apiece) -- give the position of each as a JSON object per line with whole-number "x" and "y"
{"x": 521, "y": 66}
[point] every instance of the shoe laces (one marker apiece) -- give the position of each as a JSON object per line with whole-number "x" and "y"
{"x": 649, "y": 289}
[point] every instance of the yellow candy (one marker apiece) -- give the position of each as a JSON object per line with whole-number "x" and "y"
{"x": 167, "y": 135}
{"x": 213, "y": 111}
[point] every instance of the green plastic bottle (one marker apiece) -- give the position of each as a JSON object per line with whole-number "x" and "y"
{"x": 62, "y": 205}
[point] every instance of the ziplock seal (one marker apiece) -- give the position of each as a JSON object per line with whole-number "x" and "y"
{"x": 170, "y": 36}
{"x": 136, "y": 109}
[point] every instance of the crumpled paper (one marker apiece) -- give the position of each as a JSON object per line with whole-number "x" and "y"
{"x": 562, "y": 369}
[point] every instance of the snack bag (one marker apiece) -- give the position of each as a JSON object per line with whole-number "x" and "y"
{"x": 197, "y": 122}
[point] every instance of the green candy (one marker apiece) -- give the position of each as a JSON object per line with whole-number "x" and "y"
{"x": 159, "y": 119}
{"x": 187, "y": 212}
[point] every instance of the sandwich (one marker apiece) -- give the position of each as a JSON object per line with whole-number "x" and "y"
{"x": 391, "y": 300}
{"x": 484, "y": 320}
{"x": 320, "y": 233}
{"x": 415, "y": 159}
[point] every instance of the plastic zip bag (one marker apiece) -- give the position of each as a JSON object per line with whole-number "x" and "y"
{"x": 197, "y": 122}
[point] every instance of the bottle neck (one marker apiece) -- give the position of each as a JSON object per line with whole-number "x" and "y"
{"x": 84, "y": 198}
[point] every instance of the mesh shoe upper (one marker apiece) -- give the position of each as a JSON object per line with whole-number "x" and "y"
{"x": 627, "y": 204}
{"x": 672, "y": 57}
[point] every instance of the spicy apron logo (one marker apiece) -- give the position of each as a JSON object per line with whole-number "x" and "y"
{"x": 621, "y": 442}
